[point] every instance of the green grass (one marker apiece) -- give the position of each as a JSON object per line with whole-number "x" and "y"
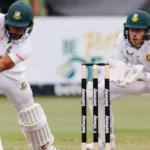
{"x": 132, "y": 123}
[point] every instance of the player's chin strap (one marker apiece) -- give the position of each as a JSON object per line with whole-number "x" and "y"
{"x": 9, "y": 40}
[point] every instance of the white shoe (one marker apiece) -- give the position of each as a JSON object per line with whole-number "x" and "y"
{"x": 112, "y": 144}
{"x": 52, "y": 148}
{"x": 91, "y": 145}
{"x": 49, "y": 147}
{"x": 101, "y": 145}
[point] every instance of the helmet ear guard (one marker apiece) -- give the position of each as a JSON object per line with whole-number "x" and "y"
{"x": 147, "y": 36}
{"x": 31, "y": 25}
{"x": 124, "y": 32}
{"x": 5, "y": 16}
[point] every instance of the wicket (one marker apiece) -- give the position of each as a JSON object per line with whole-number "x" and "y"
{"x": 95, "y": 106}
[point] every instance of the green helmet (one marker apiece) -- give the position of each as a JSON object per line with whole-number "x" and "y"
{"x": 19, "y": 15}
{"x": 138, "y": 19}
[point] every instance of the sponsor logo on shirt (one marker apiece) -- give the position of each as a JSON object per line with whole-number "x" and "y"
{"x": 19, "y": 57}
{"x": 129, "y": 53}
{"x": 23, "y": 86}
{"x": 135, "y": 18}
{"x": 17, "y": 15}
{"x": 8, "y": 50}
{"x": 148, "y": 57}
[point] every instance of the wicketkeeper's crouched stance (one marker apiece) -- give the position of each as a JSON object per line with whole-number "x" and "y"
{"x": 130, "y": 70}
{"x": 15, "y": 28}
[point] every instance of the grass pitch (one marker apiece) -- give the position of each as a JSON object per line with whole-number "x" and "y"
{"x": 132, "y": 123}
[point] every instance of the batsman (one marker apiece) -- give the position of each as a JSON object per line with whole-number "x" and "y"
{"x": 129, "y": 70}
{"x": 15, "y": 29}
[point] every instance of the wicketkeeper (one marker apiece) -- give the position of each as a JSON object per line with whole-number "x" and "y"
{"x": 130, "y": 69}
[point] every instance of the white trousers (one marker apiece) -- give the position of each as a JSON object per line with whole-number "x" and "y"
{"x": 17, "y": 90}
{"x": 135, "y": 89}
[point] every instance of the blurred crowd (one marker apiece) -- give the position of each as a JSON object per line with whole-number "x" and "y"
{"x": 80, "y": 7}
{"x": 5, "y": 4}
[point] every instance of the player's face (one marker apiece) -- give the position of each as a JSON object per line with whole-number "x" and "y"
{"x": 136, "y": 36}
{"x": 16, "y": 31}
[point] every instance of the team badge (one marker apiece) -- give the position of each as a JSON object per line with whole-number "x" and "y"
{"x": 135, "y": 18}
{"x": 17, "y": 15}
{"x": 23, "y": 86}
{"x": 8, "y": 50}
{"x": 148, "y": 57}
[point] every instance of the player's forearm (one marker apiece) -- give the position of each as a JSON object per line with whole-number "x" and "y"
{"x": 6, "y": 63}
{"x": 2, "y": 67}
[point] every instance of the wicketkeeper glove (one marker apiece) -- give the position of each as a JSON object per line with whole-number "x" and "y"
{"x": 134, "y": 74}
{"x": 118, "y": 71}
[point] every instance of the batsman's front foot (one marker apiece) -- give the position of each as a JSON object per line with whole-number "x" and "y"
{"x": 47, "y": 146}
{"x": 101, "y": 145}
{"x": 52, "y": 148}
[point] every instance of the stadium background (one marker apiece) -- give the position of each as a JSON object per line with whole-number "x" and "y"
{"x": 73, "y": 33}
{"x": 62, "y": 39}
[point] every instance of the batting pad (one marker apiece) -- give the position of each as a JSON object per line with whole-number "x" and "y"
{"x": 34, "y": 126}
